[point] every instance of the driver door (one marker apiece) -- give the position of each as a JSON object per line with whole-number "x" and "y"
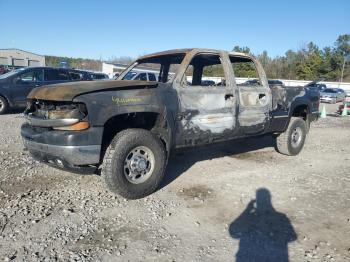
{"x": 24, "y": 83}
{"x": 206, "y": 101}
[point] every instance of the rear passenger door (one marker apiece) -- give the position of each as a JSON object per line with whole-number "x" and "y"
{"x": 55, "y": 75}
{"x": 254, "y": 95}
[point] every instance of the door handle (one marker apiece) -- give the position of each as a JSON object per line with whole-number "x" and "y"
{"x": 228, "y": 96}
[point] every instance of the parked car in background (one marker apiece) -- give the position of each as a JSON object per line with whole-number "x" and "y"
{"x": 3, "y": 70}
{"x": 87, "y": 75}
{"x": 271, "y": 82}
{"x": 275, "y": 83}
{"x": 143, "y": 76}
{"x": 96, "y": 76}
{"x": 341, "y": 91}
{"x": 345, "y": 104}
{"x": 16, "y": 85}
{"x": 332, "y": 95}
{"x": 316, "y": 85}
{"x": 252, "y": 82}
{"x": 208, "y": 83}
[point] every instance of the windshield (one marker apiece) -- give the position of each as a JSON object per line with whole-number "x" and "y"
{"x": 162, "y": 67}
{"x": 11, "y": 73}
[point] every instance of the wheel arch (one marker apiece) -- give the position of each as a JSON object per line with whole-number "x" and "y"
{"x": 7, "y": 99}
{"x": 154, "y": 121}
{"x": 300, "y": 109}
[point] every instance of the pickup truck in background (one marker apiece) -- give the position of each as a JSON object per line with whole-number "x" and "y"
{"x": 129, "y": 127}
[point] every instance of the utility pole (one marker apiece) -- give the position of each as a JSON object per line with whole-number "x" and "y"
{"x": 346, "y": 58}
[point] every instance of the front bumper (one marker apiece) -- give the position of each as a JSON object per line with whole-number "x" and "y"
{"x": 73, "y": 150}
{"x": 327, "y": 99}
{"x": 65, "y": 155}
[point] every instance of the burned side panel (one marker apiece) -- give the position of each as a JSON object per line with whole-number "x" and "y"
{"x": 283, "y": 97}
{"x": 205, "y": 115}
{"x": 254, "y": 109}
{"x": 283, "y": 101}
{"x": 104, "y": 105}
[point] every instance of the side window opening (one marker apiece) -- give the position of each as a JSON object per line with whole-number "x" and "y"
{"x": 205, "y": 70}
{"x": 27, "y": 77}
{"x": 245, "y": 68}
{"x": 56, "y": 75}
{"x": 30, "y": 76}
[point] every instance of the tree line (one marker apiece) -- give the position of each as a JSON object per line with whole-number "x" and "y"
{"x": 83, "y": 63}
{"x": 309, "y": 62}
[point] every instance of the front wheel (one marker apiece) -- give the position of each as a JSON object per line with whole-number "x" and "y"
{"x": 3, "y": 105}
{"x": 134, "y": 163}
{"x": 291, "y": 142}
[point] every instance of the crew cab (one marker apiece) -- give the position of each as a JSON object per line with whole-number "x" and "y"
{"x": 128, "y": 128}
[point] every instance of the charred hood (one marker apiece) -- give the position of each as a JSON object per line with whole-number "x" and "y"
{"x": 68, "y": 91}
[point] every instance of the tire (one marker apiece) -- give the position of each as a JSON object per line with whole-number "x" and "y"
{"x": 130, "y": 148}
{"x": 4, "y": 106}
{"x": 291, "y": 142}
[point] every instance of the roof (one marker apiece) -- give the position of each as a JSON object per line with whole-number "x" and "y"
{"x": 187, "y": 50}
{"x": 21, "y": 51}
{"x": 168, "y": 52}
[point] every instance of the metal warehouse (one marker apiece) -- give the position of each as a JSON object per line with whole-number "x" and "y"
{"x": 20, "y": 58}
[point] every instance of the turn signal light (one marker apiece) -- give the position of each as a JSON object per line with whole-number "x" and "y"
{"x": 76, "y": 127}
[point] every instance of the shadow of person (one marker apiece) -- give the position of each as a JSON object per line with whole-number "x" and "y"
{"x": 263, "y": 232}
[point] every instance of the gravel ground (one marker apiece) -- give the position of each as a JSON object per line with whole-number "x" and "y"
{"x": 239, "y": 199}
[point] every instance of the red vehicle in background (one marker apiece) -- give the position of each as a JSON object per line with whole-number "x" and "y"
{"x": 345, "y": 104}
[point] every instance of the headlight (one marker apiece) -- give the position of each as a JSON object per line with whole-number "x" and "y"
{"x": 58, "y": 115}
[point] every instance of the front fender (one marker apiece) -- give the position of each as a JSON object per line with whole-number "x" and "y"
{"x": 105, "y": 105}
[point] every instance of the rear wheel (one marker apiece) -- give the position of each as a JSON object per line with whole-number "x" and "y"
{"x": 3, "y": 105}
{"x": 134, "y": 163}
{"x": 291, "y": 142}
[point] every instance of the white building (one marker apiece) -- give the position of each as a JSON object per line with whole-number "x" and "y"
{"x": 112, "y": 69}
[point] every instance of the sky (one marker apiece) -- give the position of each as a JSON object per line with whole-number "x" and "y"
{"x": 104, "y": 29}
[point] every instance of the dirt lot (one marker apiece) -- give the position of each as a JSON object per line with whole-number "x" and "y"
{"x": 214, "y": 205}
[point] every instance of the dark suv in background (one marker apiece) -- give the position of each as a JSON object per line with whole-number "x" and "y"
{"x": 16, "y": 85}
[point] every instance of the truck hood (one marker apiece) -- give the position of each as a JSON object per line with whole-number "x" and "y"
{"x": 68, "y": 91}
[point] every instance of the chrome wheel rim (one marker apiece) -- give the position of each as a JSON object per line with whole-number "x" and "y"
{"x": 296, "y": 137}
{"x": 1, "y": 105}
{"x": 139, "y": 164}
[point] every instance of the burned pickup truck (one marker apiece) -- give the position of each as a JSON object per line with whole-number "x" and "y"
{"x": 128, "y": 128}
